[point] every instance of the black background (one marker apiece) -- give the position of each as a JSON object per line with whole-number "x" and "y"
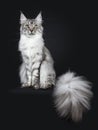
{"x": 69, "y": 37}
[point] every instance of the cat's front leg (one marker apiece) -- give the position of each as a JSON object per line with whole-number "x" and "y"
{"x": 35, "y": 70}
{"x": 29, "y": 78}
{"x": 35, "y": 78}
{"x": 28, "y": 71}
{"x": 27, "y": 82}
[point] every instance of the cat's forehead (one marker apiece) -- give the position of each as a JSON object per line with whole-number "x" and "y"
{"x": 30, "y": 21}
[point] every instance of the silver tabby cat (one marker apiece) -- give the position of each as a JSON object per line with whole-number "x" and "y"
{"x": 72, "y": 94}
{"x": 37, "y": 67}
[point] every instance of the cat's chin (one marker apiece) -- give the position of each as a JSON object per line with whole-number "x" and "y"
{"x": 30, "y": 35}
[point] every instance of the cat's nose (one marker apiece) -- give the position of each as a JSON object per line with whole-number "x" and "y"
{"x": 31, "y": 30}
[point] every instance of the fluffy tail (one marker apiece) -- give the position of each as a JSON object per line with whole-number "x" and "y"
{"x": 72, "y": 96}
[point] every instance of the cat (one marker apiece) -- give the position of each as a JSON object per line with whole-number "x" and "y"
{"x": 37, "y": 68}
{"x": 72, "y": 94}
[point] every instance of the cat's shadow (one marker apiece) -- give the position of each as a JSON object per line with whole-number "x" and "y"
{"x": 30, "y": 90}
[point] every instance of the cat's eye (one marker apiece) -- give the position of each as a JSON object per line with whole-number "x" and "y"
{"x": 35, "y": 25}
{"x": 26, "y": 25}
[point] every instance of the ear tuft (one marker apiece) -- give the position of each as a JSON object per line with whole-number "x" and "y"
{"x": 22, "y": 18}
{"x": 39, "y": 18}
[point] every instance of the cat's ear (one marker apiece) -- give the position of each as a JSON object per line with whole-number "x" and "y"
{"x": 39, "y": 18}
{"x": 22, "y": 18}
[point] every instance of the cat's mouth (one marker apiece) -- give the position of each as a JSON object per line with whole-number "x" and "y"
{"x": 31, "y": 33}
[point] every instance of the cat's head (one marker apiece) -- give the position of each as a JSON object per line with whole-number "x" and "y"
{"x": 31, "y": 27}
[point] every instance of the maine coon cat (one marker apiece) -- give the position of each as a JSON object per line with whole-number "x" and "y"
{"x": 37, "y": 67}
{"x": 72, "y": 94}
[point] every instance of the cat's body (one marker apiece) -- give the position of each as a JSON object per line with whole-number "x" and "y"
{"x": 72, "y": 93}
{"x": 37, "y": 67}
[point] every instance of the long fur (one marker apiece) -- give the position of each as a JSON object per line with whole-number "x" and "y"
{"x": 37, "y": 68}
{"x": 72, "y": 96}
{"x": 72, "y": 93}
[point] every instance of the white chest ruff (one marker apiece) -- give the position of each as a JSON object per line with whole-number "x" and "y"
{"x": 31, "y": 46}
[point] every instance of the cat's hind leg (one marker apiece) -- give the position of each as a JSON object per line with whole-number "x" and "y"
{"x": 47, "y": 75}
{"x": 23, "y": 75}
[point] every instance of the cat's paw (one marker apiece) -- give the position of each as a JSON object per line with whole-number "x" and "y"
{"x": 47, "y": 81}
{"x": 35, "y": 83}
{"x": 36, "y": 86}
{"x": 24, "y": 85}
{"x": 46, "y": 85}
